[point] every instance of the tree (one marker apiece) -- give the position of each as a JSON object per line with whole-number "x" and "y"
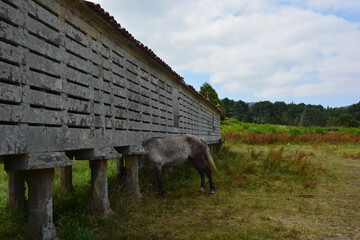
{"x": 229, "y": 106}
{"x": 209, "y": 92}
{"x": 279, "y": 109}
{"x": 354, "y": 110}
{"x": 241, "y": 111}
{"x": 262, "y": 112}
{"x": 293, "y": 114}
{"x": 345, "y": 120}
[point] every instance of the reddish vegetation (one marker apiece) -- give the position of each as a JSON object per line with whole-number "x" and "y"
{"x": 283, "y": 138}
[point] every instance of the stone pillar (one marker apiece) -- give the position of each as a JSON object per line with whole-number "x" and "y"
{"x": 66, "y": 179}
{"x": 99, "y": 203}
{"x": 119, "y": 165}
{"x": 120, "y": 168}
{"x": 40, "y": 214}
{"x": 132, "y": 176}
{"x": 16, "y": 186}
{"x": 120, "y": 172}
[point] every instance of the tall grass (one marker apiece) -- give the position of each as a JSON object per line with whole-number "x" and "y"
{"x": 261, "y": 169}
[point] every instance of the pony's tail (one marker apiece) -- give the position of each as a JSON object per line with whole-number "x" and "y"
{"x": 209, "y": 159}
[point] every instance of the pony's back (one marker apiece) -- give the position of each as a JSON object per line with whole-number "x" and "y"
{"x": 169, "y": 151}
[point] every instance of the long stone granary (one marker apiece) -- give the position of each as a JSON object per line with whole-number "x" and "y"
{"x": 75, "y": 84}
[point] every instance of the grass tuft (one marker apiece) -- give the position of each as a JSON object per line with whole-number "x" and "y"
{"x": 74, "y": 226}
{"x": 255, "y": 169}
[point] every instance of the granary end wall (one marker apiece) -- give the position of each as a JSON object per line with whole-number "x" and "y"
{"x": 70, "y": 81}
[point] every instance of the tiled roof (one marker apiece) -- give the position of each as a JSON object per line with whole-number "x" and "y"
{"x": 111, "y": 20}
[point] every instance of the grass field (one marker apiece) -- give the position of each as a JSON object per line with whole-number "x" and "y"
{"x": 263, "y": 191}
{"x": 238, "y": 127}
{"x": 251, "y": 133}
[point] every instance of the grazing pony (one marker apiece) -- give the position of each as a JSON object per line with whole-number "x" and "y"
{"x": 172, "y": 151}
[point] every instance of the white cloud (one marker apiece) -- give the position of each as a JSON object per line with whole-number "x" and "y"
{"x": 255, "y": 46}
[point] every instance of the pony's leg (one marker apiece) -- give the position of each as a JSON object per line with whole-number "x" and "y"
{"x": 159, "y": 178}
{"x": 208, "y": 174}
{"x": 201, "y": 173}
{"x": 202, "y": 176}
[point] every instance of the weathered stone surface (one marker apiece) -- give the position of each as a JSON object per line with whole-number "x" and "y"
{"x": 132, "y": 187}
{"x": 106, "y": 153}
{"x": 66, "y": 85}
{"x": 16, "y": 189}
{"x": 40, "y": 214}
{"x": 132, "y": 150}
{"x": 99, "y": 202}
{"x": 13, "y": 139}
{"x": 37, "y": 27}
{"x": 66, "y": 185}
{"x": 42, "y": 63}
{"x": 37, "y": 161}
{"x": 10, "y": 93}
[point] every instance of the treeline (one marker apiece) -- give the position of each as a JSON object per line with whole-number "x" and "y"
{"x": 292, "y": 114}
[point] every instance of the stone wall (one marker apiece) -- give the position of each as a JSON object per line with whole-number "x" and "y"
{"x": 70, "y": 81}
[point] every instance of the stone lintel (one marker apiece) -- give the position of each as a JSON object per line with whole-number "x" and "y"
{"x": 131, "y": 150}
{"x": 102, "y": 153}
{"x": 105, "y": 153}
{"x": 34, "y": 161}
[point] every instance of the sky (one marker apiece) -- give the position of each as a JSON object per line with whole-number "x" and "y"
{"x": 300, "y": 51}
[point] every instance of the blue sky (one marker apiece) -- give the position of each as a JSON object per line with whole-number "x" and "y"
{"x": 254, "y": 50}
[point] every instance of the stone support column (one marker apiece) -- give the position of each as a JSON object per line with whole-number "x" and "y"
{"x": 16, "y": 187}
{"x": 120, "y": 168}
{"x": 99, "y": 203}
{"x": 132, "y": 176}
{"x": 66, "y": 179}
{"x": 40, "y": 214}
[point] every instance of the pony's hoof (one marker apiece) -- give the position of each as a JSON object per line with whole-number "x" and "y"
{"x": 202, "y": 189}
{"x": 212, "y": 191}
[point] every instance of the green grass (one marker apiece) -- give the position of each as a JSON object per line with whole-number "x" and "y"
{"x": 239, "y": 132}
{"x": 260, "y": 194}
{"x": 243, "y": 128}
